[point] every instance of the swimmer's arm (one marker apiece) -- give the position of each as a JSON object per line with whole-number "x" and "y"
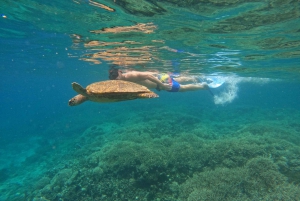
{"x": 160, "y": 85}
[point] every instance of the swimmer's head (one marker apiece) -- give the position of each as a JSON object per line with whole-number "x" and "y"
{"x": 113, "y": 72}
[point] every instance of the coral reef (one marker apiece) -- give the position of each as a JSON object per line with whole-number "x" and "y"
{"x": 180, "y": 158}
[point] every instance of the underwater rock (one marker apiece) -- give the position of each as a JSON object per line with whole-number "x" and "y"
{"x": 42, "y": 182}
{"x": 4, "y": 174}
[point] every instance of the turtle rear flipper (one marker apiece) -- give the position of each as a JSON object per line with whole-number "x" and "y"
{"x": 148, "y": 95}
{"x": 79, "y": 89}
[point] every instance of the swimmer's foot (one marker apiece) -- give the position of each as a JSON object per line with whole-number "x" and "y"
{"x": 206, "y": 87}
{"x": 199, "y": 79}
{"x": 202, "y": 85}
{"x": 196, "y": 80}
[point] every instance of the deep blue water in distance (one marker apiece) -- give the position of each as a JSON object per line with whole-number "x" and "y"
{"x": 47, "y": 46}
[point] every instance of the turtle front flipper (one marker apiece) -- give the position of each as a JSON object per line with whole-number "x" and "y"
{"x": 79, "y": 89}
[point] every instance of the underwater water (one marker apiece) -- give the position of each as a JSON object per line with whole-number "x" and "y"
{"x": 241, "y": 143}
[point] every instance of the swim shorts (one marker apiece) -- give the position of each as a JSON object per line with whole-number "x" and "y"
{"x": 175, "y": 86}
{"x": 165, "y": 78}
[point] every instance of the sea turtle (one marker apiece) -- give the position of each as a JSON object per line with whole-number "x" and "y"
{"x": 110, "y": 91}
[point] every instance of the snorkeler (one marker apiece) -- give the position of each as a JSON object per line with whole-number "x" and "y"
{"x": 157, "y": 81}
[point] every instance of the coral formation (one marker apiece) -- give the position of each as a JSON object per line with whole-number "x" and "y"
{"x": 144, "y": 159}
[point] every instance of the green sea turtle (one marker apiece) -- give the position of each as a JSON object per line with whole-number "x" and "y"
{"x": 110, "y": 91}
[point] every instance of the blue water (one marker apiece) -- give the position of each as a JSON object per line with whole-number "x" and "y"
{"x": 174, "y": 147}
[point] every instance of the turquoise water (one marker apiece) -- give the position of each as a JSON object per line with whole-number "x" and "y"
{"x": 240, "y": 144}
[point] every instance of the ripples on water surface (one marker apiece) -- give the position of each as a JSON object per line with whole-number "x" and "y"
{"x": 250, "y": 38}
{"x": 127, "y": 151}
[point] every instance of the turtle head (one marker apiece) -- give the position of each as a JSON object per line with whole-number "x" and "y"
{"x": 76, "y": 100}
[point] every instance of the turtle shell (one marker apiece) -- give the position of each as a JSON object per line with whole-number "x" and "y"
{"x": 117, "y": 90}
{"x": 115, "y": 86}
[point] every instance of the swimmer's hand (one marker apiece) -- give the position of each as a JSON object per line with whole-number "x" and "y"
{"x": 157, "y": 88}
{"x": 164, "y": 87}
{"x": 167, "y": 87}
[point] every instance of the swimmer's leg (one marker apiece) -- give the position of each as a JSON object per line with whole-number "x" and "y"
{"x": 183, "y": 79}
{"x": 192, "y": 87}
